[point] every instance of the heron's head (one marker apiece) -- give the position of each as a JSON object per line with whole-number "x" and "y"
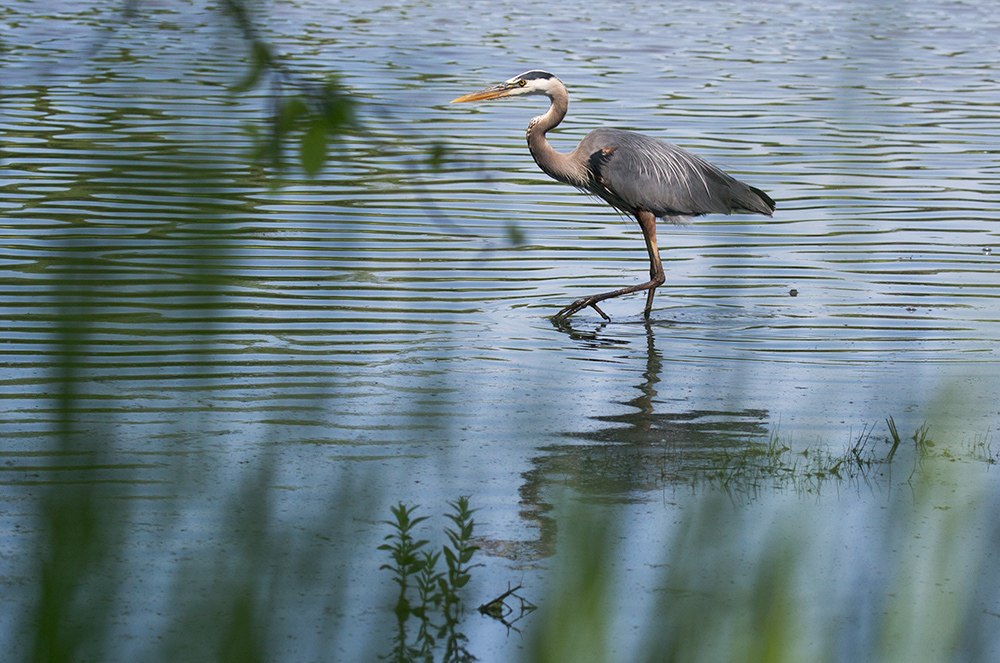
{"x": 530, "y": 82}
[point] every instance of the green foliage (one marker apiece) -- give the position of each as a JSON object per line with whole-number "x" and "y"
{"x": 436, "y": 155}
{"x": 309, "y": 111}
{"x": 514, "y": 234}
{"x": 737, "y": 583}
{"x": 436, "y": 591}
{"x": 404, "y": 550}
{"x": 458, "y": 555}
{"x": 76, "y": 553}
{"x": 760, "y": 464}
{"x": 429, "y": 581}
{"x": 261, "y": 59}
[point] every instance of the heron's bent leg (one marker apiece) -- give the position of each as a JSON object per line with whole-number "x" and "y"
{"x": 647, "y": 222}
{"x": 656, "y": 276}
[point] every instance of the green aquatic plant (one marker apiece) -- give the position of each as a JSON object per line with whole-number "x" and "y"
{"x": 437, "y": 592}
{"x": 428, "y": 584}
{"x": 981, "y": 448}
{"x": 458, "y": 555}
{"x": 891, "y": 423}
{"x": 771, "y": 463}
{"x": 908, "y": 578}
{"x": 404, "y": 551}
{"x": 924, "y": 444}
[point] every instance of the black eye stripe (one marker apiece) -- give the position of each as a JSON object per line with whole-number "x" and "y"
{"x": 535, "y": 74}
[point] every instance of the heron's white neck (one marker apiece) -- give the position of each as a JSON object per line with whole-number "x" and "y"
{"x": 557, "y": 165}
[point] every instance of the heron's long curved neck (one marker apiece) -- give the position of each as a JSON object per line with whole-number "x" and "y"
{"x": 556, "y": 164}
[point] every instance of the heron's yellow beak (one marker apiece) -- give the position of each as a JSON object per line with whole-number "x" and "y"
{"x": 492, "y": 92}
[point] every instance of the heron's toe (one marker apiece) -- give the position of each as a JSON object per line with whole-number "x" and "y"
{"x": 578, "y": 306}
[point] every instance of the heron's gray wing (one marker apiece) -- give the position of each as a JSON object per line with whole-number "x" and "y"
{"x": 636, "y": 172}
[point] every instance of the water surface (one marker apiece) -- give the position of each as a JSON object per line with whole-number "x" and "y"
{"x": 385, "y": 324}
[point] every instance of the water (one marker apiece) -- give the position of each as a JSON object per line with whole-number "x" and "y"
{"x": 384, "y": 325}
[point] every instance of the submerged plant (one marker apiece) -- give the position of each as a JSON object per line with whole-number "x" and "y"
{"x": 981, "y": 448}
{"x": 891, "y": 423}
{"x": 770, "y": 463}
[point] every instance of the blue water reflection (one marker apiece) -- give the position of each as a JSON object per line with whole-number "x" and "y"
{"x": 376, "y": 334}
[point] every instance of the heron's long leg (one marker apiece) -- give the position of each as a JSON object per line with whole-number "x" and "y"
{"x": 647, "y": 222}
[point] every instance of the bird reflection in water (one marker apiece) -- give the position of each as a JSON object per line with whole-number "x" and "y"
{"x": 633, "y": 455}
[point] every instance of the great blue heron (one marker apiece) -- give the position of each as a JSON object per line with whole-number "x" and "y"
{"x": 636, "y": 174}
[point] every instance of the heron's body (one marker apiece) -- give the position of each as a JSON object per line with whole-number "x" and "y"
{"x": 634, "y": 173}
{"x": 637, "y": 174}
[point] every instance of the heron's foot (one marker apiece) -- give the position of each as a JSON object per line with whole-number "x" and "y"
{"x": 581, "y": 304}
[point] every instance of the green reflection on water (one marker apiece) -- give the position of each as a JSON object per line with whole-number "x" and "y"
{"x": 139, "y": 225}
{"x": 910, "y": 583}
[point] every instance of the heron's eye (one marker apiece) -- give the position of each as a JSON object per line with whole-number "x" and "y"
{"x": 521, "y": 83}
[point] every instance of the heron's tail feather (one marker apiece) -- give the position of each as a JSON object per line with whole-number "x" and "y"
{"x": 755, "y": 200}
